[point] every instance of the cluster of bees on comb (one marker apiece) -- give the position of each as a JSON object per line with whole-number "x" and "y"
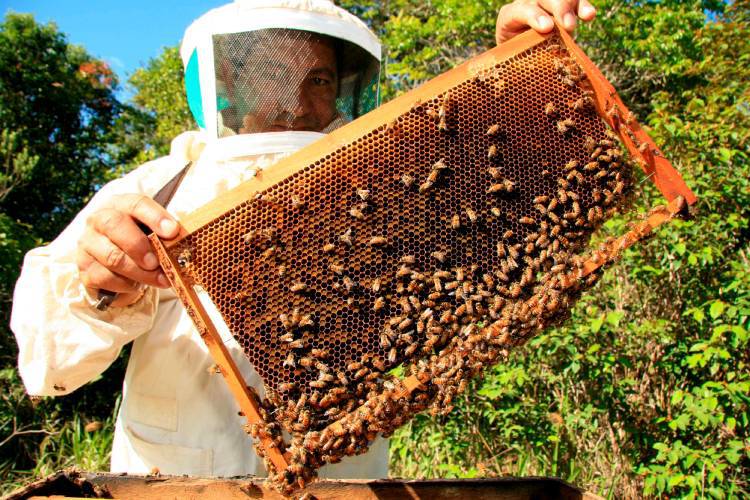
{"x": 442, "y": 240}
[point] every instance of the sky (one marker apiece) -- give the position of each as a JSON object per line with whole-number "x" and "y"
{"x": 126, "y": 33}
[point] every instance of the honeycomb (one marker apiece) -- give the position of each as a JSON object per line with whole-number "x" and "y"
{"x": 434, "y": 242}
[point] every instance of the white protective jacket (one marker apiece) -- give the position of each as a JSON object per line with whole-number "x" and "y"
{"x": 176, "y": 414}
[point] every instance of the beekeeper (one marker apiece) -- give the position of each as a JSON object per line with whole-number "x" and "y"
{"x": 264, "y": 78}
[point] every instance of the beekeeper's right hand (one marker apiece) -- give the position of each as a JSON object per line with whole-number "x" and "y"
{"x": 114, "y": 254}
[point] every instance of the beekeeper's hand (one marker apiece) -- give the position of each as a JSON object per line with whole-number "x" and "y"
{"x": 114, "y": 254}
{"x": 520, "y": 15}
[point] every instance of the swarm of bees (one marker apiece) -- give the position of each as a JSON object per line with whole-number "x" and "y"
{"x": 500, "y": 261}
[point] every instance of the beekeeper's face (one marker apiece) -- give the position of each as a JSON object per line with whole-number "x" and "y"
{"x": 294, "y": 88}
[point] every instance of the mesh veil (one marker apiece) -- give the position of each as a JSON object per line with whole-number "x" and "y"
{"x": 283, "y": 79}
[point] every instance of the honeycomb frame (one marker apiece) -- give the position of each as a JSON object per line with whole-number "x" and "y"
{"x": 337, "y": 226}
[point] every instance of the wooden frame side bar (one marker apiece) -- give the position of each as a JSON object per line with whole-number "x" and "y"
{"x": 246, "y": 399}
{"x": 617, "y": 115}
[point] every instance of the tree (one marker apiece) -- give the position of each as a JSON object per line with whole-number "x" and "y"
{"x": 160, "y": 96}
{"x": 58, "y": 113}
{"x": 59, "y": 105}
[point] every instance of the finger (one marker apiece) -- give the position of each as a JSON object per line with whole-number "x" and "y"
{"x": 565, "y": 12}
{"x": 517, "y": 17}
{"x": 147, "y": 211}
{"x": 124, "y": 298}
{"x": 98, "y": 277}
{"x": 586, "y": 11}
{"x": 113, "y": 258}
{"x": 122, "y": 230}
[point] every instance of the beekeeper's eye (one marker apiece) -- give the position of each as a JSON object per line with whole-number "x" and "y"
{"x": 316, "y": 80}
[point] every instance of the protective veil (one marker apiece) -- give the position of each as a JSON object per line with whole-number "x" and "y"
{"x": 257, "y": 66}
{"x": 177, "y": 414}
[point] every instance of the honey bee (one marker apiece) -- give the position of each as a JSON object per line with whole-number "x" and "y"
{"x": 407, "y": 180}
{"x": 329, "y": 247}
{"x": 496, "y": 188}
{"x": 619, "y": 187}
{"x": 298, "y": 287}
{"x": 495, "y": 173}
{"x": 425, "y": 186}
{"x": 509, "y": 185}
{"x": 440, "y": 165}
{"x": 319, "y": 353}
{"x": 378, "y": 363}
{"x": 346, "y": 237}
{"x": 564, "y": 126}
{"x": 492, "y": 152}
{"x": 550, "y": 109}
{"x": 493, "y": 130}
{"x": 356, "y": 213}
{"x": 287, "y": 386}
{"x": 318, "y": 384}
{"x": 471, "y": 214}
{"x": 439, "y": 256}
{"x": 306, "y": 321}
{"x": 336, "y": 268}
{"x": 495, "y": 211}
{"x": 513, "y": 251}
{"x": 571, "y": 165}
{"x": 456, "y": 221}
{"x": 403, "y": 272}
{"x": 526, "y": 220}
{"x": 297, "y": 202}
{"x": 541, "y": 199}
{"x": 405, "y": 324}
{"x": 250, "y": 236}
{"x": 501, "y": 252}
{"x": 576, "y": 209}
{"x": 433, "y": 177}
{"x": 411, "y": 349}
{"x": 508, "y": 234}
{"x": 269, "y": 252}
{"x": 584, "y": 103}
{"x": 287, "y": 337}
{"x": 378, "y": 304}
{"x": 385, "y": 341}
{"x": 431, "y": 113}
{"x": 378, "y": 241}
{"x": 451, "y": 285}
{"x": 591, "y": 166}
{"x": 281, "y": 270}
{"x": 375, "y": 286}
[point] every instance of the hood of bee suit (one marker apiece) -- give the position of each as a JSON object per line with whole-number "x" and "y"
{"x": 266, "y": 74}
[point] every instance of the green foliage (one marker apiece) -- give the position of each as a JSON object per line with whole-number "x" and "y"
{"x": 160, "y": 97}
{"x": 62, "y": 439}
{"x": 57, "y": 110}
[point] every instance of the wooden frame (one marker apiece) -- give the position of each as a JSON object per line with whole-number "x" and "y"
{"x": 608, "y": 104}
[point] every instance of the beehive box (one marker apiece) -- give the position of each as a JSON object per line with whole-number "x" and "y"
{"x": 76, "y": 484}
{"x": 433, "y": 234}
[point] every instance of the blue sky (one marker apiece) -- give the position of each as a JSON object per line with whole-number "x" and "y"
{"x": 125, "y": 33}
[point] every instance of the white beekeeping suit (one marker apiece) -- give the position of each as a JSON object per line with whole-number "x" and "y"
{"x": 176, "y": 414}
